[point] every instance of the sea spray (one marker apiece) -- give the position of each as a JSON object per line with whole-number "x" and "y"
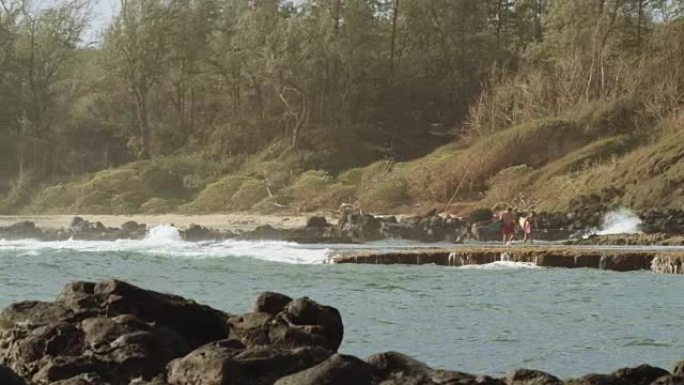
{"x": 621, "y": 221}
{"x": 166, "y": 242}
{"x": 163, "y": 234}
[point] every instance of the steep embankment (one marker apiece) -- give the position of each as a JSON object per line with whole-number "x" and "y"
{"x": 608, "y": 154}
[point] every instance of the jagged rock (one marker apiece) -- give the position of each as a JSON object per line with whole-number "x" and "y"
{"x": 199, "y": 324}
{"x": 531, "y": 377}
{"x": 266, "y": 232}
{"x": 300, "y": 322}
{"x": 34, "y": 313}
{"x": 83, "y": 379}
{"x": 66, "y": 367}
{"x": 196, "y": 233}
{"x": 669, "y": 380}
{"x": 448, "y": 377}
{"x": 316, "y": 222}
{"x": 678, "y": 369}
{"x": 305, "y": 312}
{"x": 8, "y": 377}
{"x": 113, "y": 329}
{"x": 640, "y": 375}
{"x": 362, "y": 227}
{"x": 228, "y": 362}
{"x": 271, "y": 303}
{"x": 336, "y": 370}
{"x": 389, "y": 363}
{"x": 252, "y": 329}
{"x": 159, "y": 380}
{"x": 598, "y": 379}
{"x": 132, "y": 226}
{"x": 21, "y": 230}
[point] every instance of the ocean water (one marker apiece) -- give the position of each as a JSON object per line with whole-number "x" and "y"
{"x": 480, "y": 319}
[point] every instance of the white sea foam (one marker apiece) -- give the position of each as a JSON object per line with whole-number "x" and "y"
{"x": 163, "y": 234}
{"x": 166, "y": 241}
{"x": 622, "y": 221}
{"x": 501, "y": 265}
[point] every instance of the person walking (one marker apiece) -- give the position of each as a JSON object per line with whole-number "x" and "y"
{"x": 508, "y": 219}
{"x": 529, "y": 224}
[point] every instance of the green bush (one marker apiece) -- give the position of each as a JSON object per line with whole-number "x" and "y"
{"x": 250, "y": 193}
{"x": 216, "y": 197}
{"x": 158, "y": 206}
{"x": 387, "y": 193}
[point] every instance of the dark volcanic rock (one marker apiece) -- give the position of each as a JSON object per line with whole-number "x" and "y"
{"x": 271, "y": 303}
{"x": 449, "y": 377}
{"x": 34, "y": 313}
{"x": 598, "y": 379}
{"x": 228, "y": 362}
{"x": 8, "y": 377}
{"x": 669, "y": 380}
{"x": 305, "y": 312}
{"x": 640, "y": 375}
{"x": 112, "y": 330}
{"x": 295, "y": 323}
{"x": 21, "y": 230}
{"x": 388, "y": 363}
{"x": 83, "y": 379}
{"x": 531, "y": 377}
{"x": 360, "y": 227}
{"x": 199, "y": 324}
{"x": 196, "y": 233}
{"x": 316, "y": 222}
{"x": 337, "y": 370}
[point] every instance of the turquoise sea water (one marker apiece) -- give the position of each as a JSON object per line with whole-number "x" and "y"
{"x": 486, "y": 319}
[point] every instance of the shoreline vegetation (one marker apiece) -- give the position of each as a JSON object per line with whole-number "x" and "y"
{"x": 116, "y": 333}
{"x": 274, "y": 107}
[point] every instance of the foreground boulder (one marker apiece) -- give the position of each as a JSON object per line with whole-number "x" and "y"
{"x": 531, "y": 377}
{"x": 230, "y": 362}
{"x": 8, "y": 377}
{"x": 337, "y": 370}
{"x": 289, "y": 324}
{"x": 109, "y": 332}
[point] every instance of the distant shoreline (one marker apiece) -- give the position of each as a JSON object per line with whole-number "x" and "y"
{"x": 232, "y": 222}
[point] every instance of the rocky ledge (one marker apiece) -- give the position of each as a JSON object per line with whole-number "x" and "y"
{"x": 114, "y": 333}
{"x": 615, "y": 259}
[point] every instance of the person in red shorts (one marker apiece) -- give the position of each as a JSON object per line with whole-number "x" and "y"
{"x": 508, "y": 220}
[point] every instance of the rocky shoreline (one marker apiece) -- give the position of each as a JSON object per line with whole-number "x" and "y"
{"x": 114, "y": 333}
{"x": 658, "y": 227}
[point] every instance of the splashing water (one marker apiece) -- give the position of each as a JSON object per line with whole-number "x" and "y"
{"x": 163, "y": 234}
{"x": 622, "y": 221}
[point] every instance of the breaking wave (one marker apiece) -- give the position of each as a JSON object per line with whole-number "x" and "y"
{"x": 165, "y": 240}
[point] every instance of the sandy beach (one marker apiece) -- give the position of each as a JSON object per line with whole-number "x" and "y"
{"x": 217, "y": 221}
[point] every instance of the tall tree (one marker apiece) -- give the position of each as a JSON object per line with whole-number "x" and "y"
{"x": 137, "y": 51}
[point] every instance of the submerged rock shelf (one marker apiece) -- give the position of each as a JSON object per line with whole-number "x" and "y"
{"x": 671, "y": 262}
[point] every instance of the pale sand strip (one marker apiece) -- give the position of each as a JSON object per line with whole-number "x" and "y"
{"x": 216, "y": 221}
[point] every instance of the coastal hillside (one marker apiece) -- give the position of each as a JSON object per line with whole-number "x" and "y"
{"x": 276, "y": 107}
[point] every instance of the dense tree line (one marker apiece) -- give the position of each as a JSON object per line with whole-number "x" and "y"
{"x": 229, "y": 76}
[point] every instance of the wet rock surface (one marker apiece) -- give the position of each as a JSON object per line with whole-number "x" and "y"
{"x": 115, "y": 333}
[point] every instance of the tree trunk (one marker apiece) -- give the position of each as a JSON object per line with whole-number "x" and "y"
{"x": 395, "y": 17}
{"x": 141, "y": 102}
{"x": 640, "y": 10}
